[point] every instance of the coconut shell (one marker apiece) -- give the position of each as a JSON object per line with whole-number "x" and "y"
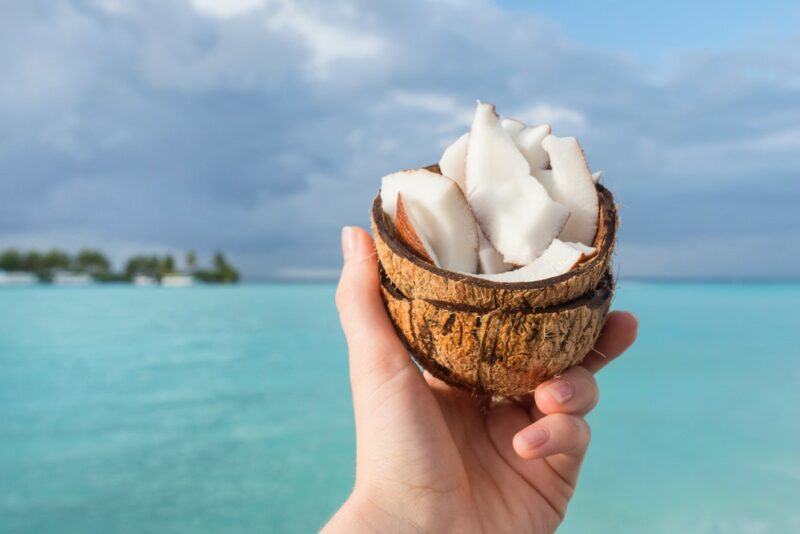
{"x": 420, "y": 280}
{"x": 495, "y": 337}
{"x": 504, "y": 352}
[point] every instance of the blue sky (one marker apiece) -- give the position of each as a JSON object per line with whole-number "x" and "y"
{"x": 653, "y": 30}
{"x": 261, "y": 126}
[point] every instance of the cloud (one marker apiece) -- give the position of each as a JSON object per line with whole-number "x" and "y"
{"x": 226, "y": 8}
{"x": 327, "y": 42}
{"x": 261, "y": 126}
{"x": 561, "y": 118}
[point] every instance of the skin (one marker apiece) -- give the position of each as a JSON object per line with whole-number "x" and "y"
{"x": 432, "y": 458}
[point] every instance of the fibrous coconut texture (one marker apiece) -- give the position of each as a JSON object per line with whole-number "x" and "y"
{"x": 504, "y": 352}
{"x": 495, "y": 263}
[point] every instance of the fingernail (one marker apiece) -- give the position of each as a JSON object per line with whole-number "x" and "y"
{"x": 349, "y": 241}
{"x": 533, "y": 438}
{"x": 561, "y": 390}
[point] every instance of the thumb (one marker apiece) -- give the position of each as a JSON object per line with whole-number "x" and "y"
{"x": 376, "y": 353}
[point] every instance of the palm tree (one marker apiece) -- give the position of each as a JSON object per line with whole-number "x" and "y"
{"x": 191, "y": 261}
{"x": 167, "y": 265}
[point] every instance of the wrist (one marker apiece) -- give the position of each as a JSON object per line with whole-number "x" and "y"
{"x": 359, "y": 513}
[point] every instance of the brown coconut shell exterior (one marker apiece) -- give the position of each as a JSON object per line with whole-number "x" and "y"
{"x": 493, "y": 337}
{"x": 418, "y": 279}
{"x": 504, "y": 352}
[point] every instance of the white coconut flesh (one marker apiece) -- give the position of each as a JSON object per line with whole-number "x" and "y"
{"x": 441, "y": 216}
{"x": 527, "y": 138}
{"x": 558, "y": 258}
{"x": 512, "y": 208}
{"x": 453, "y": 160}
{"x": 413, "y": 219}
{"x": 489, "y": 260}
{"x": 586, "y": 251}
{"x": 570, "y": 183}
{"x": 512, "y": 126}
{"x": 497, "y": 205}
{"x": 529, "y": 142}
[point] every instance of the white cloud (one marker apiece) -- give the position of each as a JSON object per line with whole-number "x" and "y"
{"x": 326, "y": 40}
{"x": 568, "y": 120}
{"x": 226, "y": 8}
{"x": 786, "y": 140}
{"x": 430, "y": 102}
{"x": 443, "y": 114}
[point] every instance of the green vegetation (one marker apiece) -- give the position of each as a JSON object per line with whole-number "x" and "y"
{"x": 93, "y": 262}
{"x": 222, "y": 273}
{"x": 191, "y": 261}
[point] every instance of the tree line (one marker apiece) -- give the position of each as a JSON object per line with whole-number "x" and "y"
{"x": 93, "y": 262}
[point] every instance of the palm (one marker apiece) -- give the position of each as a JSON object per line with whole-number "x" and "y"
{"x": 463, "y": 459}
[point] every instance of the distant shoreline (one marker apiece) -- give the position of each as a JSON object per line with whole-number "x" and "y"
{"x": 91, "y": 267}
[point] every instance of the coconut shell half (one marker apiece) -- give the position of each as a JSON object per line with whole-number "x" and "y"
{"x": 504, "y": 352}
{"x": 420, "y": 280}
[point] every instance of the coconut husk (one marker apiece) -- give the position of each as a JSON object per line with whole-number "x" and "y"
{"x": 495, "y": 337}
{"x": 504, "y": 352}
{"x": 420, "y": 280}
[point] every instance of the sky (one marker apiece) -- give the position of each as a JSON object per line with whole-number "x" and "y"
{"x": 260, "y": 127}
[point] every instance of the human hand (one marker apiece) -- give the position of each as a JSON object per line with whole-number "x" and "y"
{"x": 434, "y": 458}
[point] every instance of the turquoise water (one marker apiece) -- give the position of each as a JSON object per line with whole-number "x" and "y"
{"x": 227, "y": 410}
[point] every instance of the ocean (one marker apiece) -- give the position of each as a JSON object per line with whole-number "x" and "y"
{"x": 227, "y": 409}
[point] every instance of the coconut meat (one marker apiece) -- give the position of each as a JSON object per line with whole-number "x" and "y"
{"x": 529, "y": 143}
{"x": 570, "y": 183}
{"x": 557, "y": 259}
{"x": 512, "y": 126}
{"x": 489, "y": 260}
{"x": 412, "y": 233}
{"x": 453, "y": 160}
{"x": 512, "y": 208}
{"x": 586, "y": 251}
{"x": 441, "y": 214}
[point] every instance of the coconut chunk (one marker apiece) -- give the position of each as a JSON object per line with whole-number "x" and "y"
{"x": 529, "y": 142}
{"x": 489, "y": 260}
{"x": 512, "y": 126}
{"x": 439, "y": 213}
{"x": 453, "y": 160}
{"x": 557, "y": 259}
{"x": 513, "y": 209}
{"x": 570, "y": 183}
{"x": 492, "y": 156}
{"x": 587, "y": 253}
{"x": 410, "y": 232}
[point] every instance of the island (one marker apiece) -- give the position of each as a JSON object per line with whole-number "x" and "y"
{"x": 87, "y": 266}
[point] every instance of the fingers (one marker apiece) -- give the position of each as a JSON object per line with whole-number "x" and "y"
{"x": 376, "y": 354}
{"x": 559, "y": 432}
{"x": 575, "y": 392}
{"x": 618, "y": 334}
{"x": 552, "y": 435}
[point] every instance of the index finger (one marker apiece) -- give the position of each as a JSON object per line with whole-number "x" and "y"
{"x": 618, "y": 334}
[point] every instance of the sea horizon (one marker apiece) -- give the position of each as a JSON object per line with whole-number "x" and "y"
{"x": 267, "y": 280}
